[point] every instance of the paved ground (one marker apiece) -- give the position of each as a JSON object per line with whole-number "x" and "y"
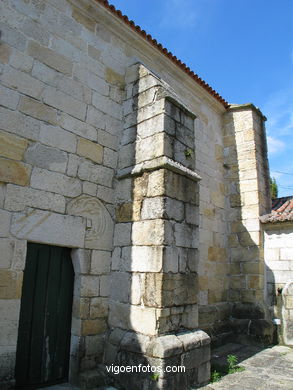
{"x": 265, "y": 369}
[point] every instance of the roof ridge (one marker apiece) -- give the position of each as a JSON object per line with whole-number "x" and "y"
{"x": 163, "y": 50}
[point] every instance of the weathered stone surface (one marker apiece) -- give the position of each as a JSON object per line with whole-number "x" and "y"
{"x": 95, "y": 173}
{"x": 91, "y": 150}
{"x": 17, "y": 198}
{"x": 57, "y": 137}
{"x": 20, "y": 124}
{"x": 142, "y": 258}
{"x": 99, "y": 234}
{"x": 143, "y": 320}
{"x": 37, "y": 110}
{"x": 6, "y": 250}
{"x": 101, "y": 262}
{"x": 21, "y": 61}
{"x": 77, "y": 127}
{"x": 50, "y": 228}
{"x": 14, "y": 172}
{"x": 122, "y": 234}
{"x": 153, "y": 208}
{"x": 55, "y": 182}
{"x": 8, "y": 97}
{"x": 12, "y": 146}
{"x": 46, "y": 157}
{"x": 5, "y": 217}
{"x": 50, "y": 57}
{"x": 22, "y": 82}
{"x": 120, "y": 286}
{"x": 89, "y": 286}
{"x": 5, "y": 53}
{"x": 13, "y": 37}
{"x": 150, "y": 232}
{"x": 63, "y": 102}
{"x": 165, "y": 346}
{"x": 10, "y": 284}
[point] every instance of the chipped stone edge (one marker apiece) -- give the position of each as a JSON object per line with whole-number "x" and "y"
{"x": 158, "y": 163}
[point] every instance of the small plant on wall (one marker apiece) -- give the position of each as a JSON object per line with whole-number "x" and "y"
{"x": 188, "y": 153}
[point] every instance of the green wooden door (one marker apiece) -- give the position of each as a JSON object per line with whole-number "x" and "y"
{"x": 43, "y": 344}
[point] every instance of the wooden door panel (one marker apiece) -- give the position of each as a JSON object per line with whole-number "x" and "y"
{"x": 45, "y": 317}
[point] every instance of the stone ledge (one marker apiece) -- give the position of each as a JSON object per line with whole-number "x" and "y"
{"x": 158, "y": 163}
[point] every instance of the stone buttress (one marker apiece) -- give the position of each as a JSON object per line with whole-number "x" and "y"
{"x": 153, "y": 313}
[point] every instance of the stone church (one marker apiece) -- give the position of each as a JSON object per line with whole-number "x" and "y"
{"x": 130, "y": 196}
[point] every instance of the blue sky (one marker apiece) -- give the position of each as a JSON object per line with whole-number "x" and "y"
{"x": 243, "y": 49}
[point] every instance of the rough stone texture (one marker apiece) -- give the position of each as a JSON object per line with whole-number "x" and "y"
{"x": 14, "y": 172}
{"x": 12, "y": 146}
{"x": 185, "y": 198}
{"x": 36, "y": 226}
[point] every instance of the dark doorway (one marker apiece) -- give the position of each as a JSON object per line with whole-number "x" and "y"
{"x": 43, "y": 344}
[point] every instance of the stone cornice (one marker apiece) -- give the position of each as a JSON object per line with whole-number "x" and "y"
{"x": 158, "y": 163}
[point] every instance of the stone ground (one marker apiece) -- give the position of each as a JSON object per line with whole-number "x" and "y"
{"x": 265, "y": 369}
{"x": 270, "y": 368}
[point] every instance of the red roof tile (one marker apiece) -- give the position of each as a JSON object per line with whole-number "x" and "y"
{"x": 282, "y": 210}
{"x": 163, "y": 50}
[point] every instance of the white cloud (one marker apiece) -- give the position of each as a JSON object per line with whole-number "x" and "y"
{"x": 275, "y": 145}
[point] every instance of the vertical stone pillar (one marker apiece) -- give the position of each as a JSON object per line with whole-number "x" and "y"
{"x": 153, "y": 308}
{"x": 248, "y": 179}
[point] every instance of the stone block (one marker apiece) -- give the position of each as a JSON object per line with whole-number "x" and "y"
{"x": 12, "y": 146}
{"x": 46, "y": 157}
{"x": 78, "y": 127}
{"x": 100, "y": 262}
{"x": 8, "y": 98}
{"x": 55, "y": 182}
{"x": 14, "y": 172}
{"x": 119, "y": 315}
{"x": 17, "y": 123}
{"x": 96, "y": 173}
{"x": 13, "y": 37}
{"x": 153, "y": 208}
{"x": 113, "y": 77}
{"x": 196, "y": 357}
{"x": 105, "y": 285}
{"x": 80, "y": 18}
{"x": 122, "y": 234}
{"x": 49, "y": 57}
{"x": 5, "y": 217}
{"x": 164, "y": 346}
{"x": 10, "y": 284}
{"x": 93, "y": 327}
{"x": 7, "y": 251}
{"x": 143, "y": 320}
{"x": 22, "y": 82}
{"x": 17, "y": 198}
{"x": 80, "y": 307}
{"x": 98, "y": 307}
{"x": 186, "y": 235}
{"x": 120, "y": 286}
{"x": 81, "y": 260}
{"x": 49, "y": 228}
{"x": 57, "y": 137}
{"x": 110, "y": 158}
{"x": 37, "y": 110}
{"x": 89, "y": 286}
{"x": 5, "y": 53}
{"x": 107, "y": 139}
{"x": 89, "y": 188}
{"x": 151, "y": 147}
{"x": 151, "y": 232}
{"x": 21, "y": 61}
{"x": 106, "y": 194}
{"x": 90, "y": 150}
{"x": 92, "y": 80}
{"x": 142, "y": 258}
{"x": 65, "y": 103}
